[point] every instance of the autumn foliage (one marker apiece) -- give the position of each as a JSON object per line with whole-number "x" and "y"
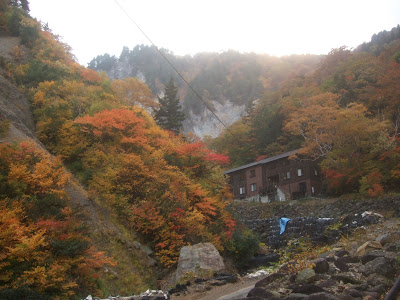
{"x": 157, "y": 183}
{"x": 44, "y": 248}
{"x": 344, "y": 115}
{"x": 168, "y": 188}
{"x": 164, "y": 187}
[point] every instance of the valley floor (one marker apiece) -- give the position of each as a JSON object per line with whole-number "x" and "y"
{"x": 225, "y": 292}
{"x": 239, "y": 290}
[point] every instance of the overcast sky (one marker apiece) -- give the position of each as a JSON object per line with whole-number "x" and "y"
{"x": 278, "y": 27}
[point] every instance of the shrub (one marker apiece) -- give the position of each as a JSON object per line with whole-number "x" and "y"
{"x": 243, "y": 245}
{"x": 4, "y": 126}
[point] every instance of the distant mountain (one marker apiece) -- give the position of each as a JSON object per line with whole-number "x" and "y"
{"x": 379, "y": 42}
{"x": 228, "y": 82}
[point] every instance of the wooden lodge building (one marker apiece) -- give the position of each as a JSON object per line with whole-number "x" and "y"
{"x": 276, "y": 178}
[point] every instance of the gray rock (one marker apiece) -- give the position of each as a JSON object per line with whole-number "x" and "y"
{"x": 376, "y": 279}
{"x": 383, "y": 239}
{"x": 362, "y": 287}
{"x": 145, "y": 249}
{"x": 390, "y": 247}
{"x": 346, "y": 279}
{"x": 321, "y": 265}
{"x": 355, "y": 293}
{"x": 372, "y": 296}
{"x": 371, "y": 256}
{"x": 306, "y": 276}
{"x": 215, "y": 282}
{"x": 345, "y": 297}
{"x": 369, "y": 297}
{"x": 199, "y": 288}
{"x": 275, "y": 295}
{"x": 260, "y": 293}
{"x": 269, "y": 279}
{"x": 380, "y": 265}
{"x": 349, "y": 259}
{"x": 367, "y": 247}
{"x": 321, "y": 277}
{"x": 380, "y": 288}
{"x": 296, "y": 296}
{"x": 341, "y": 264}
{"x": 321, "y": 296}
{"x": 226, "y": 278}
{"x": 327, "y": 283}
{"x": 149, "y": 261}
{"x": 308, "y": 289}
{"x": 342, "y": 253}
{"x": 200, "y": 260}
{"x": 329, "y": 256}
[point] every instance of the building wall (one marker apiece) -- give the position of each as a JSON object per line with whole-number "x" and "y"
{"x": 238, "y": 181}
{"x": 283, "y": 174}
{"x": 293, "y": 175}
{"x": 253, "y": 177}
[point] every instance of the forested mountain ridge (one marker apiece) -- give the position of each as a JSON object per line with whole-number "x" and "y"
{"x": 346, "y": 114}
{"x": 87, "y": 176}
{"x": 229, "y": 82}
{"x": 379, "y": 41}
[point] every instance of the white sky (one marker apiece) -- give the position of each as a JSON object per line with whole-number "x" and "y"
{"x": 276, "y": 27}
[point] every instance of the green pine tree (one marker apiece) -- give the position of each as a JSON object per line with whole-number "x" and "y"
{"x": 169, "y": 115}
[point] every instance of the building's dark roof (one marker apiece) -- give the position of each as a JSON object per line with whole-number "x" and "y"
{"x": 263, "y": 161}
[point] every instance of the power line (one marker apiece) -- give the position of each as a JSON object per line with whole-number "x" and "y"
{"x": 177, "y": 72}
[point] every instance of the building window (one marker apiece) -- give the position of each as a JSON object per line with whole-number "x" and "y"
{"x": 253, "y": 187}
{"x": 300, "y": 172}
{"x": 241, "y": 190}
{"x": 241, "y": 176}
{"x": 252, "y": 173}
{"x": 288, "y": 175}
{"x": 315, "y": 172}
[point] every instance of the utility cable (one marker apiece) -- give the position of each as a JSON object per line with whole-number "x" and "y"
{"x": 177, "y": 72}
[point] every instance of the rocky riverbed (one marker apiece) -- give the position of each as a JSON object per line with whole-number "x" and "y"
{"x": 363, "y": 264}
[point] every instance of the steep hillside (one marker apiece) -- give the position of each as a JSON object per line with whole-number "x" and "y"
{"x": 129, "y": 182}
{"x": 106, "y": 233}
{"x": 15, "y": 108}
{"x": 229, "y": 82}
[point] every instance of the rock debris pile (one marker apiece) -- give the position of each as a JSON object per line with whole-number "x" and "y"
{"x": 367, "y": 273}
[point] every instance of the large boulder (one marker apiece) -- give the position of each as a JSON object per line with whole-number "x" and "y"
{"x": 200, "y": 260}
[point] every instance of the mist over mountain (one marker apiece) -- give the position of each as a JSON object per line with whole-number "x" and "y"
{"x": 229, "y": 82}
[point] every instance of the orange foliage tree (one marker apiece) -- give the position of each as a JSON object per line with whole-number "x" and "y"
{"x": 344, "y": 138}
{"x": 166, "y": 188}
{"x": 131, "y": 91}
{"x": 43, "y": 247}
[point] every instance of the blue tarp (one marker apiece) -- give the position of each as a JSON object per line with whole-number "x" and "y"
{"x": 282, "y": 224}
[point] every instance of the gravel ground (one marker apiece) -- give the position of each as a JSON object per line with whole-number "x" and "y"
{"x": 222, "y": 292}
